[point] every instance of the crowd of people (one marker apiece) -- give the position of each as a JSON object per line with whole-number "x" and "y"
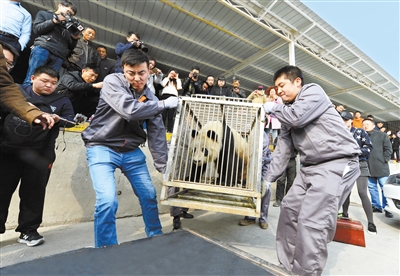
{"x": 137, "y": 104}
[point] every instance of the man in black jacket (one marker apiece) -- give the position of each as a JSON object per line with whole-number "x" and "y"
{"x": 395, "y": 146}
{"x": 378, "y": 166}
{"x": 54, "y": 42}
{"x": 221, "y": 89}
{"x": 106, "y": 66}
{"x": 31, "y": 167}
{"x": 81, "y": 89}
{"x": 84, "y": 52}
{"x": 191, "y": 85}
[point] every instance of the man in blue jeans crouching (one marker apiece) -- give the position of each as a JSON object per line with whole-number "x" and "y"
{"x": 112, "y": 141}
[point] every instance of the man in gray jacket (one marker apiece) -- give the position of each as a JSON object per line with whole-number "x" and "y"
{"x": 329, "y": 158}
{"x": 112, "y": 141}
{"x": 378, "y": 165}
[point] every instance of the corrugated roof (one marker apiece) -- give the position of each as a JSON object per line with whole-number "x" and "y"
{"x": 248, "y": 39}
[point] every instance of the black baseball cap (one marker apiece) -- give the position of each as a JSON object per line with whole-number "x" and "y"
{"x": 346, "y": 115}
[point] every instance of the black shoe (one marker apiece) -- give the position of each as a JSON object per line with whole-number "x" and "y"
{"x": 186, "y": 215}
{"x": 388, "y": 214}
{"x": 372, "y": 228}
{"x": 376, "y": 210}
{"x": 176, "y": 223}
{"x": 31, "y": 238}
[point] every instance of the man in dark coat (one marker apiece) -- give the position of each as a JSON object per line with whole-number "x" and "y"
{"x": 395, "y": 147}
{"x": 378, "y": 165}
{"x": 106, "y": 65}
{"x": 81, "y": 89}
{"x": 84, "y": 52}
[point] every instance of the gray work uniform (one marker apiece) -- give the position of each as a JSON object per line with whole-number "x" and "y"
{"x": 329, "y": 159}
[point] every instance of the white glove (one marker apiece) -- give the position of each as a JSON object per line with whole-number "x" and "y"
{"x": 265, "y": 186}
{"x": 171, "y": 102}
{"x": 268, "y": 107}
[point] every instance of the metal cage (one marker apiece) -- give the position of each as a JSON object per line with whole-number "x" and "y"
{"x": 235, "y": 191}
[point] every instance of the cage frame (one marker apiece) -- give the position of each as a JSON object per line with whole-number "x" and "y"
{"x": 218, "y": 198}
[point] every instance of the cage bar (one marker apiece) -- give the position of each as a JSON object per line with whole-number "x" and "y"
{"x": 215, "y": 155}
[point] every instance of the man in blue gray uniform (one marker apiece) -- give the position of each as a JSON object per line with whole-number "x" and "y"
{"x": 329, "y": 158}
{"x": 265, "y": 189}
{"x": 112, "y": 141}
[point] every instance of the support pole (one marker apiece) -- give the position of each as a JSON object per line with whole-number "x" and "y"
{"x": 292, "y": 56}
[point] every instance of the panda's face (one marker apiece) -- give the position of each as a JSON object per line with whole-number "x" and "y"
{"x": 205, "y": 147}
{"x": 200, "y": 155}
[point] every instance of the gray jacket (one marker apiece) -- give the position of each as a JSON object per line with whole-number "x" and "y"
{"x": 314, "y": 128}
{"x": 118, "y": 121}
{"x": 380, "y": 155}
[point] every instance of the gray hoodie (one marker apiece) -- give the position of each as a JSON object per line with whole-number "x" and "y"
{"x": 118, "y": 121}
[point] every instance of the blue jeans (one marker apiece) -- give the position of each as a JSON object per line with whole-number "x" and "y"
{"x": 374, "y": 191}
{"x": 41, "y": 56}
{"x": 102, "y": 164}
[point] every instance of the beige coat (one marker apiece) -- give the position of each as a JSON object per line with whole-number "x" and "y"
{"x": 11, "y": 97}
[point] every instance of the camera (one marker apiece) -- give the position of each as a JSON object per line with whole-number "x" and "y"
{"x": 195, "y": 75}
{"x": 140, "y": 45}
{"x": 72, "y": 24}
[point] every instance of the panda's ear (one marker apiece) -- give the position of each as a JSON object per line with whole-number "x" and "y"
{"x": 212, "y": 135}
{"x": 194, "y": 133}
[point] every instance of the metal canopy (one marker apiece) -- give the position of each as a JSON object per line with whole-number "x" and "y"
{"x": 247, "y": 39}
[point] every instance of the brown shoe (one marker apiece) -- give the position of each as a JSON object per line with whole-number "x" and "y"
{"x": 263, "y": 225}
{"x": 245, "y": 222}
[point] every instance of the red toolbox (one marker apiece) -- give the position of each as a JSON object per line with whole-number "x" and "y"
{"x": 349, "y": 231}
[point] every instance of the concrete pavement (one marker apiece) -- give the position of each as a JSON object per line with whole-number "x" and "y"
{"x": 379, "y": 257}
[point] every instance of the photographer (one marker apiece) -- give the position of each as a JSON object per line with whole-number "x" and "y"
{"x": 236, "y": 92}
{"x": 172, "y": 87}
{"x": 134, "y": 42}
{"x": 155, "y": 76}
{"x": 54, "y": 40}
{"x": 191, "y": 85}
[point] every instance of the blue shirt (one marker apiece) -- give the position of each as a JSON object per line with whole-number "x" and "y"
{"x": 15, "y": 20}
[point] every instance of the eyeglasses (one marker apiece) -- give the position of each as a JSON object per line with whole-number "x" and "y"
{"x": 10, "y": 65}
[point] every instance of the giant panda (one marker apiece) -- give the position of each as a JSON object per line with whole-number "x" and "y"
{"x": 218, "y": 144}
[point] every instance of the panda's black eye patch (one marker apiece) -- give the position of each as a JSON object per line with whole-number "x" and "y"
{"x": 205, "y": 151}
{"x": 212, "y": 135}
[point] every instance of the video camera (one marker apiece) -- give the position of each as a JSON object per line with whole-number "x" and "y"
{"x": 72, "y": 24}
{"x": 140, "y": 45}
